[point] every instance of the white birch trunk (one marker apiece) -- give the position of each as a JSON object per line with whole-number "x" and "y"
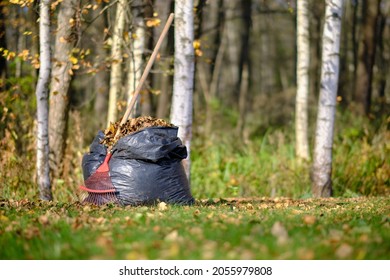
{"x": 116, "y": 64}
{"x": 322, "y": 161}
{"x": 42, "y": 93}
{"x": 181, "y": 111}
{"x": 233, "y": 27}
{"x": 303, "y": 61}
{"x": 136, "y": 62}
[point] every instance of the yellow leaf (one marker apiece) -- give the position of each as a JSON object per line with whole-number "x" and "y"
{"x": 4, "y": 218}
{"x": 153, "y": 22}
{"x": 196, "y": 44}
{"x": 73, "y": 59}
{"x": 198, "y": 52}
{"x": 10, "y": 55}
{"x": 24, "y": 54}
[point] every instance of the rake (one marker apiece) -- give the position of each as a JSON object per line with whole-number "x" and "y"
{"x": 99, "y": 186}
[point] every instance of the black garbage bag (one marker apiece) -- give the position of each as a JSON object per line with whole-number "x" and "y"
{"x": 145, "y": 166}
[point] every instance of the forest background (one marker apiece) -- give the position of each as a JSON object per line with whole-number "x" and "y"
{"x": 244, "y": 93}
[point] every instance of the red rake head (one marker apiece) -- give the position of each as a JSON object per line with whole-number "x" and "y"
{"x": 99, "y": 186}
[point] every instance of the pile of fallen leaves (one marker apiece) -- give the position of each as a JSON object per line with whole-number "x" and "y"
{"x": 131, "y": 126}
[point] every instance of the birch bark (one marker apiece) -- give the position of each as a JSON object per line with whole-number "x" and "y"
{"x": 116, "y": 61}
{"x": 181, "y": 111}
{"x": 303, "y": 62}
{"x": 135, "y": 59}
{"x": 42, "y": 93}
{"x": 322, "y": 161}
{"x": 162, "y": 81}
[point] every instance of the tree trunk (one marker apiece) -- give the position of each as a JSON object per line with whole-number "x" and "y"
{"x": 322, "y": 161}
{"x": 136, "y": 56}
{"x": 101, "y": 79}
{"x": 242, "y": 102}
{"x": 214, "y": 83}
{"x": 33, "y": 17}
{"x": 366, "y": 55}
{"x": 66, "y": 38}
{"x": 181, "y": 111}
{"x": 3, "y": 45}
{"x": 234, "y": 23}
{"x": 244, "y": 67}
{"x": 210, "y": 65}
{"x": 317, "y": 9}
{"x": 162, "y": 80}
{"x": 383, "y": 55}
{"x": 302, "y": 97}
{"x": 116, "y": 61}
{"x": 42, "y": 93}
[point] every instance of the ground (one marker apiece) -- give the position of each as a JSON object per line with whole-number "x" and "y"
{"x": 251, "y": 228}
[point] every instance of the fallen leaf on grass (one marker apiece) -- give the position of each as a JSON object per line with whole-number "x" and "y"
{"x": 196, "y": 232}
{"x": 44, "y": 220}
{"x": 309, "y": 219}
{"x": 172, "y": 236}
{"x": 247, "y": 254}
{"x": 335, "y": 235}
{"x": 196, "y": 213}
{"x": 344, "y": 251}
{"x": 31, "y": 232}
{"x": 171, "y": 252}
{"x": 363, "y": 238}
{"x": 106, "y": 244}
{"x": 208, "y": 249}
{"x": 305, "y": 254}
{"x": 280, "y": 232}
{"x": 162, "y": 206}
{"x": 3, "y": 219}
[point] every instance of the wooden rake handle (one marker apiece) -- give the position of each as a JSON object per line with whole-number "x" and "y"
{"x": 145, "y": 73}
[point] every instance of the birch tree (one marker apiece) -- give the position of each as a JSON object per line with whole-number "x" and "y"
{"x": 322, "y": 161}
{"x": 303, "y": 61}
{"x": 183, "y": 80}
{"x": 116, "y": 61}
{"x": 162, "y": 81}
{"x": 66, "y": 38}
{"x": 137, "y": 51}
{"x": 42, "y": 92}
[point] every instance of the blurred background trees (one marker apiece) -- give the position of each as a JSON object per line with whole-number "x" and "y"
{"x": 245, "y": 78}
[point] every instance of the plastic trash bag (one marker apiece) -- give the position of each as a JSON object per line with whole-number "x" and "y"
{"x": 145, "y": 166}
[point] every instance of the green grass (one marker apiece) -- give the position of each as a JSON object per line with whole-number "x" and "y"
{"x": 266, "y": 166}
{"x": 235, "y": 229}
{"x": 353, "y": 225}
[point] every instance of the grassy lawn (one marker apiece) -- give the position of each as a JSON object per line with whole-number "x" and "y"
{"x": 259, "y": 228}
